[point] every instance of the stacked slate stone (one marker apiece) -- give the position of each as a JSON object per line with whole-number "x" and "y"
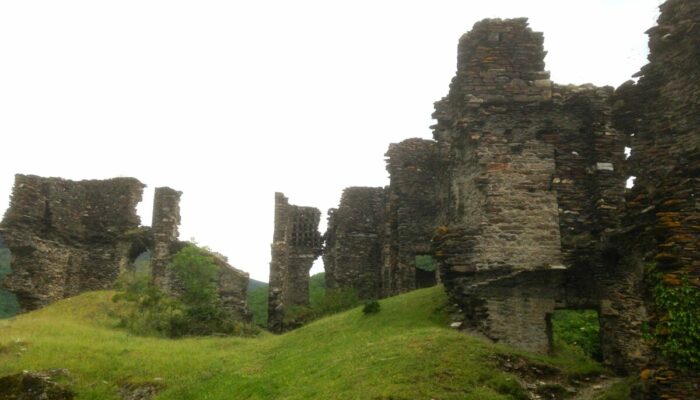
{"x": 533, "y": 184}
{"x": 166, "y": 220}
{"x": 296, "y": 244}
{"x": 661, "y": 115}
{"x": 413, "y": 206}
{"x": 67, "y": 237}
{"x": 353, "y": 242}
{"x": 232, "y": 288}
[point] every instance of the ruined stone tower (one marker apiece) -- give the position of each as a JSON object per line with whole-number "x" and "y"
{"x": 532, "y": 184}
{"x": 296, "y": 244}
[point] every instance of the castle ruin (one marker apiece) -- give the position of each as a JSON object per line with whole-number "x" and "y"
{"x": 296, "y": 244}
{"x": 68, "y": 237}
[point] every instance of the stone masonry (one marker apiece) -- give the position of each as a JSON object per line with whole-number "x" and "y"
{"x": 296, "y": 244}
{"x": 164, "y": 227}
{"x": 412, "y": 210}
{"x": 68, "y": 237}
{"x": 660, "y": 116}
{"x": 374, "y": 236}
{"x": 533, "y": 183}
{"x": 353, "y": 242}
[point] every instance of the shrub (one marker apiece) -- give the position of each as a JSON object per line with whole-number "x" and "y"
{"x": 371, "y": 307}
{"x": 147, "y": 309}
{"x": 197, "y": 311}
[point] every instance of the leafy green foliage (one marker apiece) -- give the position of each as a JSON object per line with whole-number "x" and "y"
{"x": 578, "y": 328}
{"x": 678, "y": 331}
{"x": 257, "y": 304}
{"x": 8, "y": 301}
{"x": 426, "y": 263}
{"x": 317, "y": 289}
{"x": 147, "y": 310}
{"x": 371, "y": 307}
{"x": 197, "y": 311}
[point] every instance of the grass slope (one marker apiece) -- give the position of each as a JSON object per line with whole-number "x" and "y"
{"x": 405, "y": 351}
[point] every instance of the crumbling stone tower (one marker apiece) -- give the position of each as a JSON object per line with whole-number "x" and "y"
{"x": 532, "y": 184}
{"x": 353, "y": 242}
{"x": 296, "y": 244}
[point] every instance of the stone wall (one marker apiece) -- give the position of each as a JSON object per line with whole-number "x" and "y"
{"x": 412, "y": 209}
{"x": 67, "y": 237}
{"x": 374, "y": 236}
{"x": 533, "y": 185}
{"x": 164, "y": 226}
{"x": 353, "y": 242}
{"x": 296, "y": 244}
{"x": 660, "y": 115}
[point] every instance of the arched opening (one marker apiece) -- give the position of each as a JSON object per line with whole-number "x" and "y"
{"x": 8, "y": 301}
{"x": 426, "y": 271}
{"x": 576, "y": 330}
{"x": 142, "y": 263}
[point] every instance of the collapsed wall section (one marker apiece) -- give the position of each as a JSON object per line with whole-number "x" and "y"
{"x": 353, "y": 242}
{"x": 66, "y": 236}
{"x": 296, "y": 244}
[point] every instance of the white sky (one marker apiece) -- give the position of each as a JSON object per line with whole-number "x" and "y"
{"x": 231, "y": 101}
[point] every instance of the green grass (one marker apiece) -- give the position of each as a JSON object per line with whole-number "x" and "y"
{"x": 257, "y": 297}
{"x": 406, "y": 351}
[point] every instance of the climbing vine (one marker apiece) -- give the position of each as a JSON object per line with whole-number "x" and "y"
{"x": 677, "y": 332}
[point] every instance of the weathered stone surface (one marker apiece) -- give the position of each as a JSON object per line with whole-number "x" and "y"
{"x": 67, "y": 237}
{"x": 232, "y": 288}
{"x": 353, "y": 242}
{"x": 412, "y": 208}
{"x": 525, "y": 199}
{"x": 164, "y": 227}
{"x": 374, "y": 236}
{"x": 296, "y": 244}
{"x": 660, "y": 115}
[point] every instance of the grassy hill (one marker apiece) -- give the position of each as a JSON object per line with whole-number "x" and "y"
{"x": 406, "y": 351}
{"x": 257, "y": 296}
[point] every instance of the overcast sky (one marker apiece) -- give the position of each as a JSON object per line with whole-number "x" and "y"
{"x": 231, "y": 101}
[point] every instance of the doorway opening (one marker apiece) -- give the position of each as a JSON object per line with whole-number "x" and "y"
{"x": 577, "y": 330}
{"x": 426, "y": 271}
